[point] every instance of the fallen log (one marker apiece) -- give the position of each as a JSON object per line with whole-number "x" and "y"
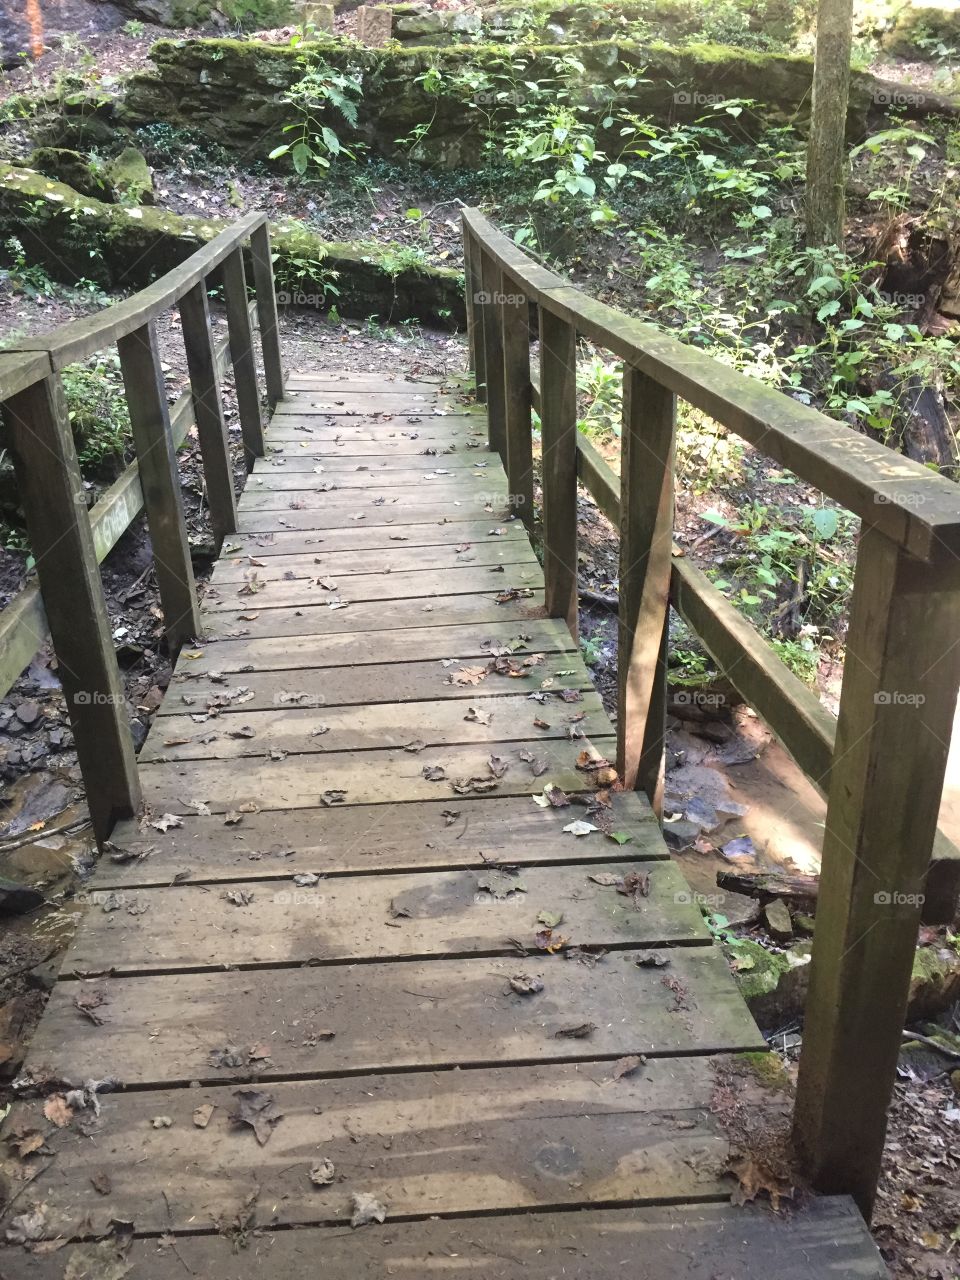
{"x": 767, "y": 885}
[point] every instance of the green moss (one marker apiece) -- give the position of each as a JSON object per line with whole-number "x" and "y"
{"x": 764, "y": 972}
{"x": 76, "y": 170}
{"x": 130, "y": 177}
{"x": 767, "y": 1067}
{"x": 124, "y": 247}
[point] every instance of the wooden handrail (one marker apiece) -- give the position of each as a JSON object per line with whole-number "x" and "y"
{"x": 913, "y": 506}
{"x": 881, "y": 763}
{"x": 68, "y": 541}
{"x": 78, "y": 339}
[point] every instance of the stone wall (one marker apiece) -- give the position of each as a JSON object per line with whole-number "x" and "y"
{"x": 232, "y": 91}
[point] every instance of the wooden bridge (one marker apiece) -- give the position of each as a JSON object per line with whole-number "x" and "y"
{"x": 387, "y": 972}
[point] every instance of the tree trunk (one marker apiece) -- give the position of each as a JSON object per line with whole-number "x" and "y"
{"x": 826, "y": 149}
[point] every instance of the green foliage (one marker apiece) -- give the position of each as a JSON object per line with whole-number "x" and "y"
{"x": 322, "y": 93}
{"x": 98, "y": 412}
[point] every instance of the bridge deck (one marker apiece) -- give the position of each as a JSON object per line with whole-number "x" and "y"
{"x": 343, "y": 889}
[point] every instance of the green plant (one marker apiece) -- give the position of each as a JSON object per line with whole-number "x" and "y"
{"x": 321, "y": 91}
{"x": 134, "y": 27}
{"x": 98, "y": 412}
{"x": 591, "y": 647}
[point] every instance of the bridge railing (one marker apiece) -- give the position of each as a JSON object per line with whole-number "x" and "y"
{"x": 68, "y": 541}
{"x": 881, "y": 763}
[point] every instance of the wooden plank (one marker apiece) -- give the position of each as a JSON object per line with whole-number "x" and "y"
{"x": 437, "y": 835}
{"x": 896, "y": 718}
{"x": 53, "y": 500}
{"x": 383, "y": 917}
{"x": 359, "y": 503}
{"x": 318, "y": 518}
{"x": 473, "y": 283}
{"x": 412, "y": 477}
{"x": 396, "y": 559}
{"x": 343, "y": 405}
{"x": 646, "y": 541}
{"x": 558, "y": 425}
{"x": 371, "y": 616}
{"x": 242, "y": 357}
{"x": 290, "y": 459}
{"x": 208, "y": 411}
{"x": 360, "y": 538}
{"x": 389, "y": 1016}
{"x": 302, "y": 731}
{"x": 304, "y": 650}
{"x": 262, "y": 261}
{"x": 19, "y": 371}
{"x": 356, "y": 686}
{"x": 826, "y": 1238}
{"x": 368, "y": 777}
{"x": 159, "y": 477}
{"x": 285, "y": 594}
{"x": 299, "y": 382}
{"x": 515, "y": 339}
{"x": 647, "y": 1137}
{"x": 84, "y": 337}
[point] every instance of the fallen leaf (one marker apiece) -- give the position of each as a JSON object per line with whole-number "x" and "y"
{"x": 366, "y": 1208}
{"x": 165, "y": 822}
{"x": 258, "y": 1110}
{"x": 626, "y": 1066}
{"x": 580, "y": 828}
{"x": 524, "y": 985}
{"x": 477, "y": 716}
{"x": 202, "y": 1114}
{"x": 578, "y": 1032}
{"x": 56, "y": 1110}
{"x": 322, "y": 1173}
{"x": 434, "y": 772}
{"x": 753, "y": 1177}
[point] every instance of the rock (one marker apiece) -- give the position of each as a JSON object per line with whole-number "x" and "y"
{"x": 27, "y": 711}
{"x": 915, "y": 28}
{"x": 374, "y": 25}
{"x": 680, "y": 834}
{"x": 15, "y": 44}
{"x": 121, "y": 247}
{"x": 17, "y": 899}
{"x": 318, "y": 16}
{"x": 776, "y": 918}
{"x": 130, "y": 177}
{"x": 251, "y": 15}
{"x": 76, "y": 170}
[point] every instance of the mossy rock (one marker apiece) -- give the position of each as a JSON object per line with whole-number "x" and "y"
{"x": 130, "y": 177}
{"x": 125, "y": 247}
{"x": 251, "y": 15}
{"x": 232, "y": 90}
{"x": 918, "y": 26}
{"x": 83, "y": 173}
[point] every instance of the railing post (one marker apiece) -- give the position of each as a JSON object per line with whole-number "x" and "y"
{"x": 241, "y": 356}
{"x": 515, "y": 340}
{"x": 558, "y": 437}
{"x": 493, "y": 355}
{"x": 267, "y": 312}
{"x": 160, "y": 481}
{"x": 900, "y": 679}
{"x": 646, "y": 544}
{"x": 52, "y": 497}
{"x": 473, "y": 285}
{"x": 208, "y": 410}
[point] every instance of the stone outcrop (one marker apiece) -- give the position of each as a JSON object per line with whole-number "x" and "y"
{"x": 126, "y": 247}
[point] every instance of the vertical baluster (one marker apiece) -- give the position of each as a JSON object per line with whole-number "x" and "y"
{"x": 208, "y": 410}
{"x": 160, "y": 481}
{"x": 473, "y": 285}
{"x": 493, "y": 356}
{"x": 515, "y": 340}
{"x": 646, "y": 540}
{"x": 267, "y": 312}
{"x": 52, "y": 496}
{"x": 901, "y": 672}
{"x": 558, "y": 435}
{"x": 242, "y": 357}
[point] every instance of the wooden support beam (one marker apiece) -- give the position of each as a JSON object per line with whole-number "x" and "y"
{"x": 493, "y": 355}
{"x": 242, "y": 357}
{"x": 646, "y": 545}
{"x": 267, "y": 312}
{"x": 53, "y": 500}
{"x": 558, "y": 433}
{"x": 515, "y": 339}
{"x": 160, "y": 483}
{"x": 473, "y": 286}
{"x": 208, "y": 411}
{"x": 899, "y": 693}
